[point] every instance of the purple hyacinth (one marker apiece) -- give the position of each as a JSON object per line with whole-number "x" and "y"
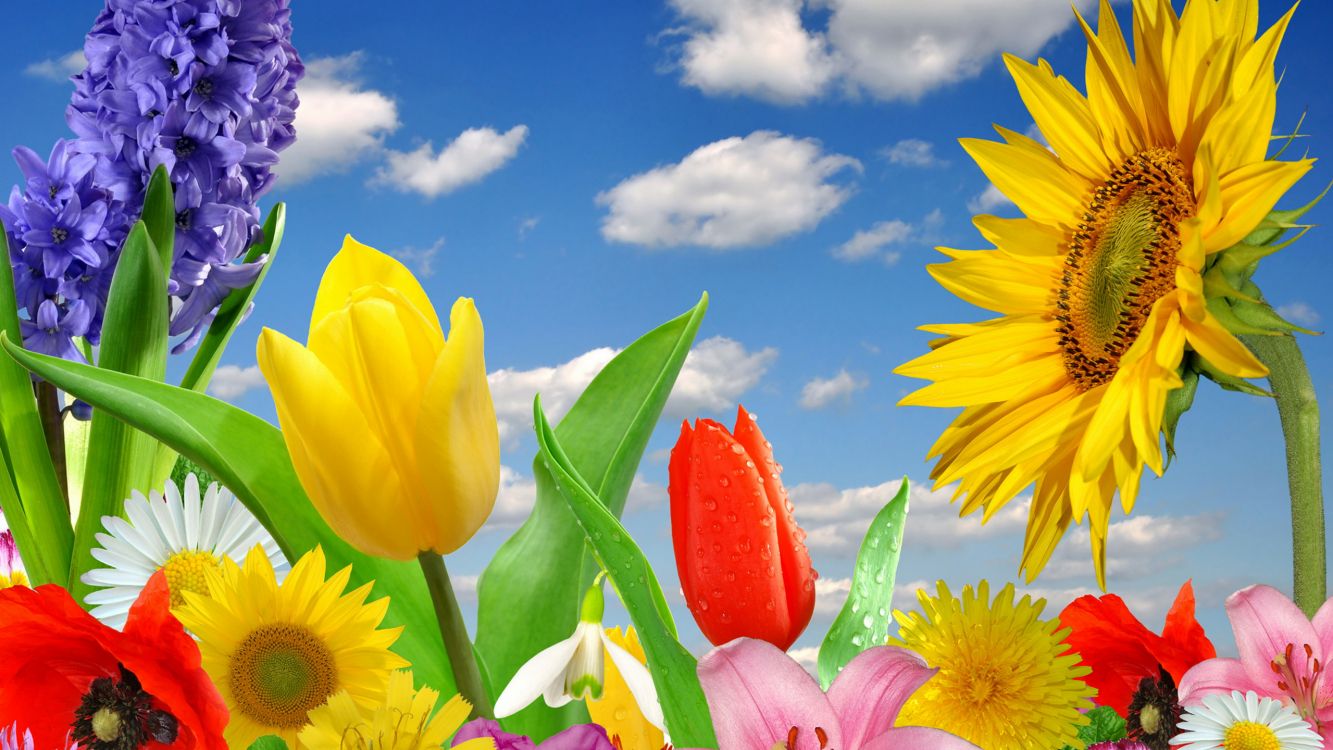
{"x": 206, "y": 88}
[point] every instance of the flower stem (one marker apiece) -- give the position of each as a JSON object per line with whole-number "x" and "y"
{"x": 456, "y": 642}
{"x": 53, "y": 427}
{"x": 1289, "y": 380}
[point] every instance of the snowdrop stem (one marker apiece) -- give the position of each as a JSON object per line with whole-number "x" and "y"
{"x": 462, "y": 658}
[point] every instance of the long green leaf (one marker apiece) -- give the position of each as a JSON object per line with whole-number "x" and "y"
{"x": 249, "y": 457}
{"x": 134, "y": 341}
{"x": 38, "y": 509}
{"x": 673, "y": 667}
{"x": 528, "y": 596}
{"x": 159, "y": 216}
{"x": 865, "y": 616}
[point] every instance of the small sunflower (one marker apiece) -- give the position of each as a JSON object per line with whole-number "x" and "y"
{"x": 1006, "y": 679}
{"x": 1244, "y": 722}
{"x": 1100, "y": 288}
{"x": 278, "y": 651}
{"x": 401, "y": 721}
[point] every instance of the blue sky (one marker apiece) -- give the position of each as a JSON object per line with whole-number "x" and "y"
{"x": 572, "y": 172}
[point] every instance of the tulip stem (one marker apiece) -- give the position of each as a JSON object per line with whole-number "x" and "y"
{"x": 1289, "y": 380}
{"x": 462, "y": 659}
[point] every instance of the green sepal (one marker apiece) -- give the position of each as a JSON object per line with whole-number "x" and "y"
{"x": 1259, "y": 315}
{"x": 865, "y": 617}
{"x": 1277, "y": 222}
{"x": 672, "y": 667}
{"x": 1178, "y": 402}
{"x": 1227, "y": 381}
{"x": 594, "y": 605}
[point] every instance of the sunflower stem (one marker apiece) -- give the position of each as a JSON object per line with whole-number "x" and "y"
{"x": 456, "y": 642}
{"x": 1289, "y": 380}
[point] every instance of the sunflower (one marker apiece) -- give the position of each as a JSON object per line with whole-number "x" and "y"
{"x": 401, "y": 721}
{"x": 278, "y": 651}
{"x": 1100, "y": 287}
{"x": 1006, "y": 680}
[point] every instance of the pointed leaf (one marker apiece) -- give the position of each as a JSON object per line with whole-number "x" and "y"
{"x": 159, "y": 215}
{"x": 1178, "y": 402}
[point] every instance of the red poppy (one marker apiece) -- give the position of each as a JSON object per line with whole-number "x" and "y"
{"x": 743, "y": 566}
{"x": 64, "y": 674}
{"x": 1121, "y": 651}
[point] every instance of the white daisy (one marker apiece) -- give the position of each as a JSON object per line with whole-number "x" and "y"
{"x": 183, "y": 536}
{"x": 1244, "y": 722}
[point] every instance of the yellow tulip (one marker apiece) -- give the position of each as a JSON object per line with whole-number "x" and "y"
{"x": 618, "y": 711}
{"x": 390, "y": 427}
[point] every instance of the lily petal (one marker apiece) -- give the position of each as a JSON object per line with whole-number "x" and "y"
{"x": 1266, "y": 622}
{"x": 1217, "y": 677}
{"x": 918, "y": 738}
{"x": 868, "y": 693}
{"x": 535, "y": 676}
{"x": 757, "y": 693}
{"x": 639, "y": 681}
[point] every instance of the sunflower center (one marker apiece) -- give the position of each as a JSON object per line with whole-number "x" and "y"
{"x": 187, "y": 570}
{"x": 1121, "y": 260}
{"x": 1249, "y": 735}
{"x": 280, "y": 672}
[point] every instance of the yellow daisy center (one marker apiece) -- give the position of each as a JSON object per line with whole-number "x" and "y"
{"x": 187, "y": 570}
{"x": 1122, "y": 259}
{"x": 1249, "y": 735}
{"x": 280, "y": 672}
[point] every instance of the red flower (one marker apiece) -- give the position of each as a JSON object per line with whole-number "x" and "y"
{"x": 1121, "y": 651}
{"x": 63, "y": 673}
{"x": 739, "y": 552}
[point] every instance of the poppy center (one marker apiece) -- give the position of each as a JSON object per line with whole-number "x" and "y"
{"x": 1249, "y": 735}
{"x": 116, "y": 714}
{"x": 280, "y": 672}
{"x": 187, "y": 570}
{"x": 1121, "y": 260}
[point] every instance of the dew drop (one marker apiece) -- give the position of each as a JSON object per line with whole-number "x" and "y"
{"x": 723, "y": 482}
{"x": 725, "y": 616}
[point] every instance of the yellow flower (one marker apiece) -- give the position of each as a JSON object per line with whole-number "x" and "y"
{"x": 1006, "y": 680}
{"x": 1100, "y": 288}
{"x": 617, "y": 711}
{"x": 401, "y": 721}
{"x": 277, "y": 651}
{"x": 391, "y": 429}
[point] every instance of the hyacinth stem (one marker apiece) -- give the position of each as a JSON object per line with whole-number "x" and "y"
{"x": 48, "y": 407}
{"x": 1289, "y": 380}
{"x": 456, "y": 642}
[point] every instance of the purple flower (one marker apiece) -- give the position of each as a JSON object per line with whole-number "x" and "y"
{"x": 55, "y": 327}
{"x": 581, "y": 737}
{"x": 1119, "y": 745}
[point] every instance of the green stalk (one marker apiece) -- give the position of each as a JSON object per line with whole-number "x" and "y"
{"x": 48, "y": 408}
{"x": 1289, "y": 380}
{"x": 456, "y": 642}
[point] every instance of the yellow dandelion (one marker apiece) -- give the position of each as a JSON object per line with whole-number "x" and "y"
{"x": 618, "y": 711}
{"x": 1100, "y": 288}
{"x": 401, "y": 721}
{"x": 278, "y": 651}
{"x": 1006, "y": 680}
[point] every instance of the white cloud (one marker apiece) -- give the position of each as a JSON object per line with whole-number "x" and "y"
{"x": 1300, "y": 313}
{"x": 58, "y": 69}
{"x": 715, "y": 375}
{"x": 822, "y": 392}
{"x": 231, "y": 381}
{"x": 731, "y": 193}
{"x": 753, "y": 47}
{"x": 889, "y": 50}
{"x": 475, "y": 153}
{"x": 868, "y": 243}
{"x": 422, "y": 259}
{"x": 988, "y": 200}
{"x": 339, "y": 121}
{"x": 526, "y": 226}
{"x": 912, "y": 152}
{"x": 1136, "y": 547}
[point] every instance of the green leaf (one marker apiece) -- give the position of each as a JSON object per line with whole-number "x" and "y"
{"x": 134, "y": 341}
{"x": 36, "y": 506}
{"x": 269, "y": 742}
{"x": 529, "y": 594}
{"x": 1104, "y": 725}
{"x": 1276, "y": 223}
{"x": 249, "y": 457}
{"x": 866, "y": 615}
{"x": 1178, "y": 402}
{"x": 159, "y": 215}
{"x": 673, "y": 668}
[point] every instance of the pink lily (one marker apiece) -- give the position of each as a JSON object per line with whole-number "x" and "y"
{"x": 761, "y": 699}
{"x": 1282, "y": 656}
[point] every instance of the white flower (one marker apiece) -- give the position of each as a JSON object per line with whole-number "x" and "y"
{"x": 183, "y": 536}
{"x": 12, "y": 572}
{"x": 1244, "y": 722}
{"x": 574, "y": 669}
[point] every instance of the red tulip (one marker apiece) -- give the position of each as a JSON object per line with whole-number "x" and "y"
{"x": 742, "y": 562}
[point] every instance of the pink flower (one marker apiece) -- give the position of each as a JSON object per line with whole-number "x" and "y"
{"x": 760, "y": 697}
{"x": 1282, "y": 656}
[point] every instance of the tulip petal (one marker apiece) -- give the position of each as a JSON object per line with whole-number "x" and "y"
{"x": 1266, "y": 622}
{"x": 918, "y": 738}
{"x": 338, "y": 458}
{"x": 536, "y": 676}
{"x": 1217, "y": 677}
{"x": 639, "y": 681}
{"x": 358, "y": 265}
{"x": 870, "y": 691}
{"x": 457, "y": 435}
{"x": 757, "y": 693}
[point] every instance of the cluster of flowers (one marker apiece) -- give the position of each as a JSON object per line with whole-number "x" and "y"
{"x": 205, "y": 88}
